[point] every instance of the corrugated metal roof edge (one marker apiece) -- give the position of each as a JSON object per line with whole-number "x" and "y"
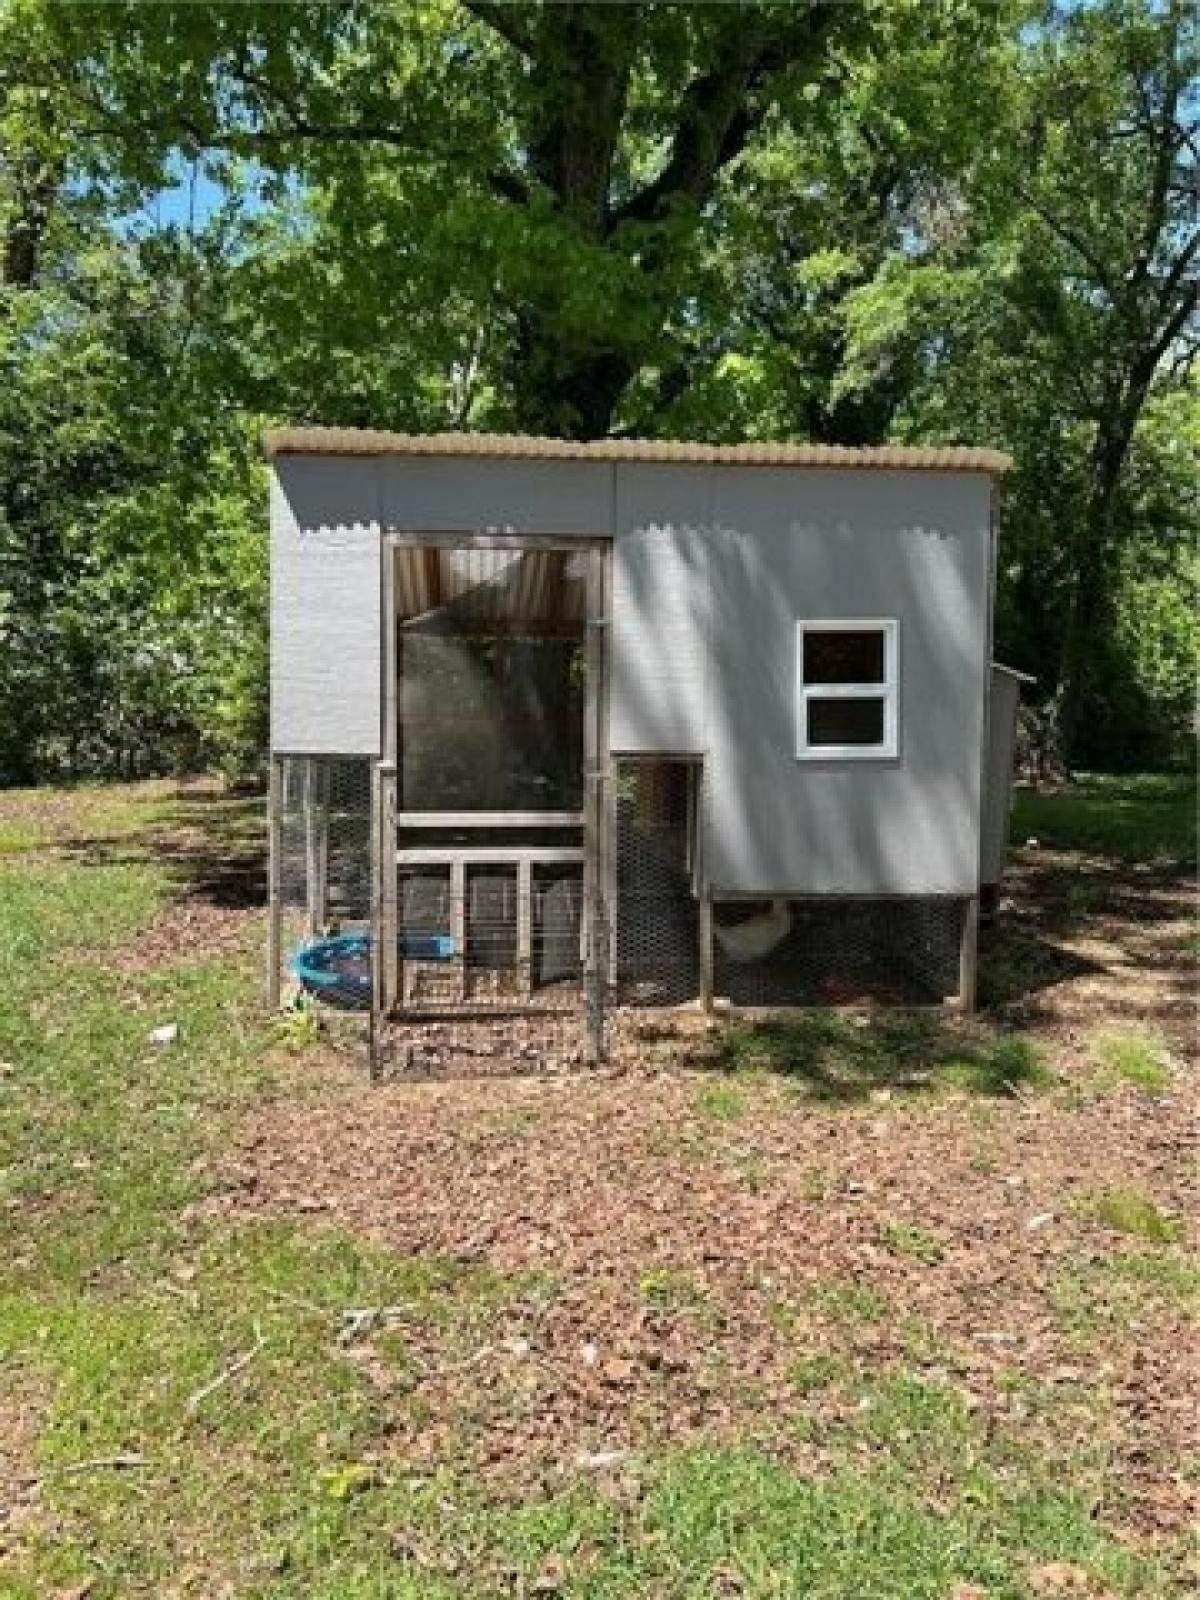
{"x": 377, "y": 442}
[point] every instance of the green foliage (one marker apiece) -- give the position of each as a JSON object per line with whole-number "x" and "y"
{"x": 724, "y": 222}
{"x": 909, "y": 1239}
{"x": 1137, "y": 1058}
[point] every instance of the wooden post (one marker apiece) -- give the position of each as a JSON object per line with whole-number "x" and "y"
{"x": 608, "y": 805}
{"x": 593, "y": 942}
{"x": 968, "y": 957}
{"x": 390, "y": 960}
{"x": 706, "y": 952}
{"x": 381, "y": 862}
{"x": 458, "y": 920}
{"x": 391, "y": 964}
{"x": 525, "y": 925}
{"x": 274, "y": 910}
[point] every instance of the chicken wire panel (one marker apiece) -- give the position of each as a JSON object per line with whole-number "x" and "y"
{"x": 657, "y": 913}
{"x": 493, "y": 981}
{"x": 788, "y": 952}
{"x": 500, "y": 942}
{"x": 323, "y": 878}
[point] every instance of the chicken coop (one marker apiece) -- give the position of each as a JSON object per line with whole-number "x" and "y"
{"x": 564, "y": 732}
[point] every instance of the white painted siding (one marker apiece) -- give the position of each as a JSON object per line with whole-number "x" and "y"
{"x": 325, "y": 615}
{"x": 660, "y": 606}
{"x": 795, "y": 544}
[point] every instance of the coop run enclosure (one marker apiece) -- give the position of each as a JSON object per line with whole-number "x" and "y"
{"x": 563, "y": 733}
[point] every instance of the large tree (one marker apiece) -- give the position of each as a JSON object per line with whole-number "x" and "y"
{"x": 565, "y": 154}
{"x": 1062, "y": 304}
{"x": 1105, "y": 174}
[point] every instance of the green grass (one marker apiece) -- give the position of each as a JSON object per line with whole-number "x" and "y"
{"x": 836, "y": 1056}
{"x": 1135, "y": 1057}
{"x": 1132, "y": 817}
{"x": 668, "y": 1289}
{"x": 1111, "y": 1292}
{"x": 847, "y": 1301}
{"x": 723, "y": 1102}
{"x": 121, "y": 1299}
{"x": 909, "y": 1239}
{"x": 1129, "y": 1210}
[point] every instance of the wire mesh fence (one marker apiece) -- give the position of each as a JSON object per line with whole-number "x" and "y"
{"x": 322, "y": 880}
{"x": 657, "y": 920}
{"x": 502, "y": 958}
{"x": 814, "y": 952}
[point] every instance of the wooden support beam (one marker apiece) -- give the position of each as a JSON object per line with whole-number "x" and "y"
{"x": 525, "y": 924}
{"x": 274, "y": 909}
{"x": 458, "y": 913}
{"x": 968, "y": 957}
{"x": 706, "y": 953}
{"x": 389, "y": 948}
{"x": 498, "y": 855}
{"x": 489, "y": 819}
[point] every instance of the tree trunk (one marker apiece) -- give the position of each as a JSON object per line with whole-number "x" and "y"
{"x": 569, "y": 394}
{"x": 35, "y": 179}
{"x": 1089, "y": 615}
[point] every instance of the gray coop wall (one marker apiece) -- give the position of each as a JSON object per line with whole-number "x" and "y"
{"x": 661, "y": 609}
{"x": 997, "y": 793}
{"x": 790, "y": 545}
{"x": 328, "y": 515}
{"x": 325, "y": 621}
{"x": 446, "y": 494}
{"x": 712, "y": 567}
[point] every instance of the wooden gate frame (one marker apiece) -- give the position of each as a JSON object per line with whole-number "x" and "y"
{"x": 598, "y": 816}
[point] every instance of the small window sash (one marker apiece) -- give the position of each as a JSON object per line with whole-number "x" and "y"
{"x": 887, "y": 691}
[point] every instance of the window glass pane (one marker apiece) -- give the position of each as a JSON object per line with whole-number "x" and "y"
{"x": 849, "y": 721}
{"x": 849, "y": 657}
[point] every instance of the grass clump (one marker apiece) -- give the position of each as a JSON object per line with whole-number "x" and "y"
{"x": 908, "y": 1239}
{"x": 669, "y": 1289}
{"x": 1135, "y": 1058}
{"x": 846, "y": 1301}
{"x": 723, "y": 1102}
{"x": 1129, "y": 1210}
{"x": 1106, "y": 1295}
{"x": 819, "y": 1371}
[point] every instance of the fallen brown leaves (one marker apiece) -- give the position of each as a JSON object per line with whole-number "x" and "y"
{"x": 691, "y": 1263}
{"x": 669, "y": 1268}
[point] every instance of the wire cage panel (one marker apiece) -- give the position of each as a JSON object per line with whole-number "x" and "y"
{"x": 505, "y": 937}
{"x": 321, "y": 880}
{"x": 826, "y": 951}
{"x": 495, "y": 979}
{"x": 658, "y": 914}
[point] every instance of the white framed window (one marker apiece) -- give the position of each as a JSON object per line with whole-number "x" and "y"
{"x": 847, "y": 689}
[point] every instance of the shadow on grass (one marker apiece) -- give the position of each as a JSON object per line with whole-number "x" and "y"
{"x": 1131, "y": 817}
{"x": 1017, "y": 963}
{"x": 843, "y": 1057}
{"x": 212, "y": 842}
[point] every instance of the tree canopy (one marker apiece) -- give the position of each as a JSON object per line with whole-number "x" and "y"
{"x": 898, "y": 219}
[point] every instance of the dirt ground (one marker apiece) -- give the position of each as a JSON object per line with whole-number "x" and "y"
{"x": 684, "y": 1238}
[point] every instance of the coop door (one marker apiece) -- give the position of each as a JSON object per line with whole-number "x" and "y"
{"x": 497, "y": 661}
